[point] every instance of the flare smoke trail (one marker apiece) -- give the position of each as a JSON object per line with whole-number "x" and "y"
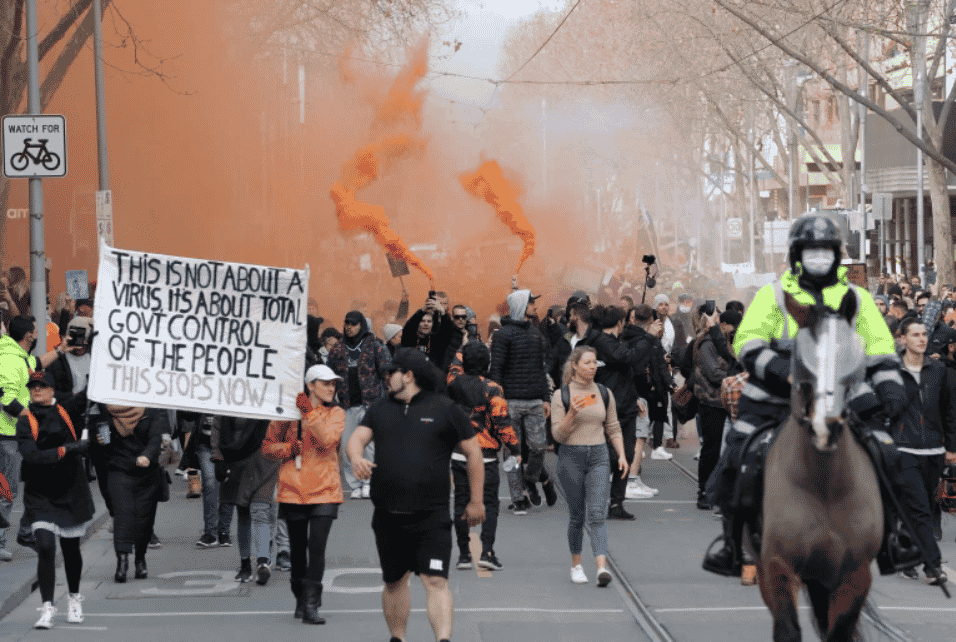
{"x": 489, "y": 183}
{"x": 401, "y": 103}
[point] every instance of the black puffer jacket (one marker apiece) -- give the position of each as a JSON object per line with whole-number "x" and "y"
{"x": 651, "y": 376}
{"x": 616, "y": 364}
{"x": 520, "y": 361}
{"x": 929, "y": 417}
{"x": 710, "y": 369}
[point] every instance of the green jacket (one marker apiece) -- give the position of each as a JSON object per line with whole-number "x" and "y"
{"x": 764, "y": 318}
{"x": 15, "y": 367}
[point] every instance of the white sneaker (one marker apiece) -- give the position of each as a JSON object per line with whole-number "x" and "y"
{"x": 5, "y": 554}
{"x": 660, "y": 453}
{"x": 357, "y": 493}
{"x": 635, "y": 492}
{"x": 366, "y": 491}
{"x": 46, "y": 616}
{"x": 75, "y": 612}
{"x": 577, "y": 575}
{"x": 639, "y": 483}
{"x": 697, "y": 456}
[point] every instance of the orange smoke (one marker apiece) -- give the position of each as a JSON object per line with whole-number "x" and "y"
{"x": 393, "y": 111}
{"x": 489, "y": 183}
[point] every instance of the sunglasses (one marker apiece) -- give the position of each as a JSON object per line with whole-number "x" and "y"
{"x": 460, "y": 317}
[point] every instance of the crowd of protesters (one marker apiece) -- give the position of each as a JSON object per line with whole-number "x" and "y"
{"x": 596, "y": 378}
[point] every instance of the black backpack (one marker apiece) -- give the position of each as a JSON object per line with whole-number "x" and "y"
{"x": 566, "y": 397}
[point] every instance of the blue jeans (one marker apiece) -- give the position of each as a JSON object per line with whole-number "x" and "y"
{"x": 10, "y": 467}
{"x": 353, "y": 416}
{"x": 583, "y": 472}
{"x": 217, "y": 517}
{"x": 254, "y": 530}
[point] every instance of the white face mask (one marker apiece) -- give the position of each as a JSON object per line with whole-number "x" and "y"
{"x": 817, "y": 261}
{"x": 684, "y": 308}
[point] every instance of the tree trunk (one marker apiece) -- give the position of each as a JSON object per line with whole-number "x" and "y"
{"x": 942, "y": 229}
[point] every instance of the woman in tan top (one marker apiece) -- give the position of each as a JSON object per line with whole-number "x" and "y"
{"x": 584, "y": 468}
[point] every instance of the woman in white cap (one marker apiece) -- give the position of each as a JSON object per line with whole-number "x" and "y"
{"x": 310, "y": 487}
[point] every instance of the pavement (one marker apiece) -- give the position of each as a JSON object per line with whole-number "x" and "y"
{"x": 191, "y": 594}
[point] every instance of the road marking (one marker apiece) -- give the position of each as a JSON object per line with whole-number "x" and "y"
{"x": 331, "y": 574}
{"x": 490, "y": 609}
{"x": 87, "y": 628}
{"x": 660, "y": 501}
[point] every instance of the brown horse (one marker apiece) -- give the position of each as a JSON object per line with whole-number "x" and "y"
{"x": 822, "y": 513}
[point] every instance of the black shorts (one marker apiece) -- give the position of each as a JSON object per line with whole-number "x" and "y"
{"x": 420, "y": 542}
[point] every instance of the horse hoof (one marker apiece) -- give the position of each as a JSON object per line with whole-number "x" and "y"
{"x": 748, "y": 575}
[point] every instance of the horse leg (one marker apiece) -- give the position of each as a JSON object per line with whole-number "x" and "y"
{"x": 779, "y": 589}
{"x": 846, "y": 604}
{"x": 820, "y": 603}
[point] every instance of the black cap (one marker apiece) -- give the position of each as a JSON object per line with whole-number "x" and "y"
{"x": 355, "y": 317}
{"x": 731, "y": 317}
{"x": 41, "y": 378}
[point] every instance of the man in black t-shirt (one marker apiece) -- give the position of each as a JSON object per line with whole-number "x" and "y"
{"x": 415, "y": 432}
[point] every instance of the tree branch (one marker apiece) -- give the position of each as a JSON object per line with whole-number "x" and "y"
{"x": 930, "y": 150}
{"x": 62, "y": 27}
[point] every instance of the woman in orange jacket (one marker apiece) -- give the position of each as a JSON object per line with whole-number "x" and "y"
{"x": 310, "y": 487}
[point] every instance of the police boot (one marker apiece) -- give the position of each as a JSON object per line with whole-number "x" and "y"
{"x": 726, "y": 560}
{"x": 311, "y": 601}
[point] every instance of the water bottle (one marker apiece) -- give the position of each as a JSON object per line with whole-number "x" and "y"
{"x": 509, "y": 464}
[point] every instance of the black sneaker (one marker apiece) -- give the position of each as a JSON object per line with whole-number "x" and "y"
{"x": 534, "y": 495}
{"x": 489, "y": 561}
{"x": 225, "y": 540}
{"x": 617, "y": 512}
{"x": 550, "y": 495}
{"x": 464, "y": 562}
{"x": 263, "y": 573}
{"x": 154, "y": 542}
{"x": 283, "y": 561}
{"x": 521, "y": 507}
{"x": 245, "y": 571}
{"x": 207, "y": 541}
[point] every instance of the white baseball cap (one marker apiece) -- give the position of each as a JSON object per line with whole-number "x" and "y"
{"x": 320, "y": 373}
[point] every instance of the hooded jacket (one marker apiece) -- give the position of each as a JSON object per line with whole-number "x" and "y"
{"x": 520, "y": 360}
{"x": 484, "y": 403}
{"x": 15, "y": 367}
{"x": 319, "y": 480}
{"x": 651, "y": 378}
{"x": 373, "y": 362}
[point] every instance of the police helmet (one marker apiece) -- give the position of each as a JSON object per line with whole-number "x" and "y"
{"x": 813, "y": 230}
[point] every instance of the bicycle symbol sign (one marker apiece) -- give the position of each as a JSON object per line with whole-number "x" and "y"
{"x": 34, "y": 146}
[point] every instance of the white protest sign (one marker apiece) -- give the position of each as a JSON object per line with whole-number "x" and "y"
{"x": 194, "y": 334}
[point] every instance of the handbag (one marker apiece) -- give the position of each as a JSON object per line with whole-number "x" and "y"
{"x": 683, "y": 396}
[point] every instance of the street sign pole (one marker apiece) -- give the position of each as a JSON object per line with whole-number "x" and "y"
{"x": 37, "y": 250}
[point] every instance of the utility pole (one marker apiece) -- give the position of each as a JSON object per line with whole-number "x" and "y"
{"x": 753, "y": 191}
{"x": 864, "y": 91}
{"x": 102, "y": 154}
{"x": 919, "y": 94}
{"x": 37, "y": 251}
{"x": 544, "y": 146}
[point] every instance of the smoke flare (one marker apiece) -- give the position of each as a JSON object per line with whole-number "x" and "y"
{"x": 400, "y": 108}
{"x": 489, "y": 183}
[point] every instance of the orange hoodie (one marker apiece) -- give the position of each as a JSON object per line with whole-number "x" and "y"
{"x": 318, "y": 482}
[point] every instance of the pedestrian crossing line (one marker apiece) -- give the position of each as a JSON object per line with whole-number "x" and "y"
{"x": 489, "y": 609}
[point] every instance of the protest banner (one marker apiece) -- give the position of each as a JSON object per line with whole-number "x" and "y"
{"x": 200, "y": 335}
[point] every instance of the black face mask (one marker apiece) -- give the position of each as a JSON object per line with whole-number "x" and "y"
{"x": 32, "y": 346}
{"x": 573, "y": 325}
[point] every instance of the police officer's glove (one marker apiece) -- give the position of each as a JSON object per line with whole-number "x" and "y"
{"x": 221, "y": 470}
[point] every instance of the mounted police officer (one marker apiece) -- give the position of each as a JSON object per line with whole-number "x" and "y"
{"x": 762, "y": 345}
